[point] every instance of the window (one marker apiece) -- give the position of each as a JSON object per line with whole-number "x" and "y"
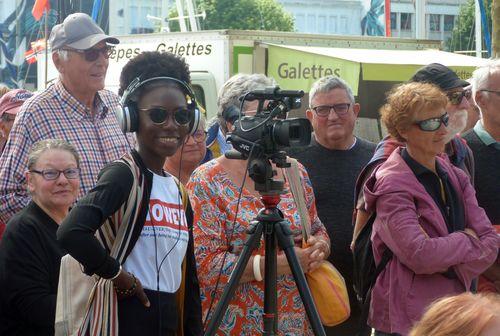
{"x": 343, "y": 24}
{"x": 406, "y": 21}
{"x": 300, "y": 22}
{"x": 322, "y": 24}
{"x": 434, "y": 22}
{"x": 394, "y": 22}
{"x": 311, "y": 23}
{"x": 449, "y": 22}
{"x": 333, "y": 24}
{"x": 199, "y": 93}
{"x": 134, "y": 15}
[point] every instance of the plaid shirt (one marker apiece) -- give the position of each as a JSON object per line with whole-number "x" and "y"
{"x": 56, "y": 114}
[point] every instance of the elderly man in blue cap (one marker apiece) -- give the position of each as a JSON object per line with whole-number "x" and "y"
{"x": 75, "y": 108}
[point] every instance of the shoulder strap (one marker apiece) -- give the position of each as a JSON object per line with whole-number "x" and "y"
{"x": 293, "y": 176}
{"x": 386, "y": 257}
{"x": 101, "y": 311}
{"x": 181, "y": 292}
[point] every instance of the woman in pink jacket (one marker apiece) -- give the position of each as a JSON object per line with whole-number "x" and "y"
{"x": 427, "y": 215}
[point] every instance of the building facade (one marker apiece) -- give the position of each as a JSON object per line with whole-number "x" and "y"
{"x": 138, "y": 16}
{"x": 344, "y": 17}
{"x": 440, "y": 18}
{"x": 341, "y": 17}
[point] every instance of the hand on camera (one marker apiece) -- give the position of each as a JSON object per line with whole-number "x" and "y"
{"x": 127, "y": 285}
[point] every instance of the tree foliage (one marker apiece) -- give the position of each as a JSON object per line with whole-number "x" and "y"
{"x": 241, "y": 14}
{"x": 463, "y": 36}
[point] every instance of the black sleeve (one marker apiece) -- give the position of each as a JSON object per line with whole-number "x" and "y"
{"x": 77, "y": 232}
{"x": 26, "y": 282}
{"x": 192, "y": 301}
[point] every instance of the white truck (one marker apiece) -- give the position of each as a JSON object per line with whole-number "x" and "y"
{"x": 371, "y": 65}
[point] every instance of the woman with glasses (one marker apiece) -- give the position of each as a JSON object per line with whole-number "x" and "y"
{"x": 133, "y": 229}
{"x": 427, "y": 215}
{"x": 189, "y": 156}
{"x": 29, "y": 253}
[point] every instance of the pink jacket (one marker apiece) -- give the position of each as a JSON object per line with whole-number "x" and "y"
{"x": 411, "y": 225}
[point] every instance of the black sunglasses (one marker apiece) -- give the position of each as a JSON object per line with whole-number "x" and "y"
{"x": 92, "y": 54}
{"x": 455, "y": 98}
{"x": 433, "y": 124}
{"x": 158, "y": 115}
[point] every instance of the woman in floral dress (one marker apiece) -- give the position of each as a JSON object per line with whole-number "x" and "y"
{"x": 214, "y": 189}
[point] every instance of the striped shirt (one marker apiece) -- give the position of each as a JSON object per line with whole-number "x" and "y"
{"x": 56, "y": 114}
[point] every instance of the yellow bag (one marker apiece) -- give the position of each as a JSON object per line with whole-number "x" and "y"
{"x": 329, "y": 293}
{"x": 326, "y": 284}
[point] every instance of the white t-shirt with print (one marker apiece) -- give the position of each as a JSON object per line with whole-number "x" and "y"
{"x": 166, "y": 228}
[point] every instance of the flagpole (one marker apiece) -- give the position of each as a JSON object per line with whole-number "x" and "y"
{"x": 46, "y": 45}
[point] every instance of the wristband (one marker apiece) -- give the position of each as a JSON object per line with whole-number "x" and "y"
{"x": 127, "y": 292}
{"x": 117, "y": 274}
{"x": 256, "y": 268}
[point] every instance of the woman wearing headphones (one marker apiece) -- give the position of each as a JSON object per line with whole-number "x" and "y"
{"x": 133, "y": 229}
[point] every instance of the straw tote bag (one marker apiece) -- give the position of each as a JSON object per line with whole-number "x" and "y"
{"x": 326, "y": 284}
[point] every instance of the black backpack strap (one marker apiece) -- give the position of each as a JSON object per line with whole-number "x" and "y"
{"x": 365, "y": 307}
{"x": 386, "y": 257}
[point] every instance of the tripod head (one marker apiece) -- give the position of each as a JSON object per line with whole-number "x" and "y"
{"x": 262, "y": 173}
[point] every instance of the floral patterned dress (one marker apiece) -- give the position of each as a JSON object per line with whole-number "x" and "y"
{"x": 214, "y": 198}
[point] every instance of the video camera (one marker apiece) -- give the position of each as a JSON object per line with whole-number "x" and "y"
{"x": 264, "y": 134}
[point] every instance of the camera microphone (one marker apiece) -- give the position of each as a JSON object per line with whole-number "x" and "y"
{"x": 272, "y": 93}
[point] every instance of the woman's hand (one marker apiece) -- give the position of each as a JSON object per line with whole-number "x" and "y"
{"x": 127, "y": 285}
{"x": 309, "y": 258}
{"x": 320, "y": 250}
{"x": 471, "y": 232}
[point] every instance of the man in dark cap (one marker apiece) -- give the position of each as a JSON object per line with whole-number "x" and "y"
{"x": 455, "y": 88}
{"x": 75, "y": 108}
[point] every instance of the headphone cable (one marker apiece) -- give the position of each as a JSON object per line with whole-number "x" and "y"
{"x": 228, "y": 240}
{"x": 158, "y": 266}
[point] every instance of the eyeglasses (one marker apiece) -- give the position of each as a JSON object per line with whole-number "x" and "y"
{"x": 433, "y": 124}
{"x": 325, "y": 110}
{"x": 492, "y": 91}
{"x": 53, "y": 174}
{"x": 158, "y": 115}
{"x": 92, "y": 54}
{"x": 455, "y": 98}
{"x": 198, "y": 136}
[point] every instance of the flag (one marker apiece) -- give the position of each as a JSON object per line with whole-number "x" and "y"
{"x": 39, "y": 7}
{"x": 36, "y": 47}
{"x": 30, "y": 56}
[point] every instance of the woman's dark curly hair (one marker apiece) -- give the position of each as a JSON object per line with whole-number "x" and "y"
{"x": 151, "y": 64}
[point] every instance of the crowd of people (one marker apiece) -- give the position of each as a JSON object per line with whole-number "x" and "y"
{"x": 136, "y": 189}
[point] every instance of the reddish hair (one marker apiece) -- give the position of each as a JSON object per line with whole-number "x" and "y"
{"x": 466, "y": 314}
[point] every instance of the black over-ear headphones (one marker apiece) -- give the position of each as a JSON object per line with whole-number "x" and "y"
{"x": 128, "y": 114}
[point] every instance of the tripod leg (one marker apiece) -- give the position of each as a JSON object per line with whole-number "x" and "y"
{"x": 254, "y": 234}
{"x": 285, "y": 241}
{"x": 270, "y": 317}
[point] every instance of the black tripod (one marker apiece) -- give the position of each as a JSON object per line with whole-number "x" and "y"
{"x": 270, "y": 223}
